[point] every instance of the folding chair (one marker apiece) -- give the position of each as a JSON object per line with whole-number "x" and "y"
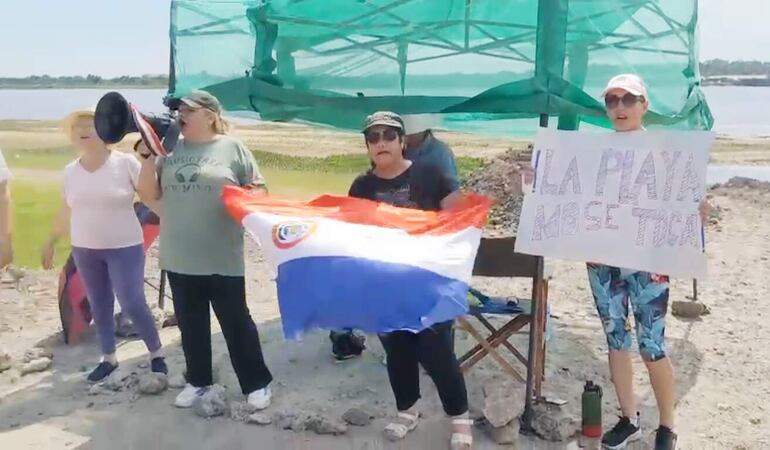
{"x": 496, "y": 258}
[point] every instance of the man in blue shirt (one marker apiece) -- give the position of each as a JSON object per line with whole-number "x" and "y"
{"x": 423, "y": 146}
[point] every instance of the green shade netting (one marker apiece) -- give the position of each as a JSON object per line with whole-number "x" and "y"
{"x": 502, "y": 63}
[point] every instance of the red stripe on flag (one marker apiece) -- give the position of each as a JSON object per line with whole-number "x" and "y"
{"x": 471, "y": 211}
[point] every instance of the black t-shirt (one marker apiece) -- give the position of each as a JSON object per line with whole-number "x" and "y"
{"x": 421, "y": 186}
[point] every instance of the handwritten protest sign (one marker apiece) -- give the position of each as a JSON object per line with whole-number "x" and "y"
{"x": 624, "y": 199}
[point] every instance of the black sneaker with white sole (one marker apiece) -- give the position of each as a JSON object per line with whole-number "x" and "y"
{"x": 621, "y": 434}
{"x": 665, "y": 439}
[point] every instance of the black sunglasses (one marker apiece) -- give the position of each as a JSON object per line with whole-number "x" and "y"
{"x": 389, "y": 135}
{"x": 628, "y": 100}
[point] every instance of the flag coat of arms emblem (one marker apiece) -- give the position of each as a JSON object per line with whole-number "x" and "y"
{"x": 344, "y": 262}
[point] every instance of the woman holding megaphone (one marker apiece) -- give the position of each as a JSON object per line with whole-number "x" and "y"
{"x": 201, "y": 246}
{"x": 106, "y": 237}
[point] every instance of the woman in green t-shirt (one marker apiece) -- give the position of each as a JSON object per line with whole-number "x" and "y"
{"x": 201, "y": 246}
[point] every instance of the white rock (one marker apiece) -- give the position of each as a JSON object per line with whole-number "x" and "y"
{"x": 211, "y": 404}
{"x": 153, "y": 383}
{"x": 119, "y": 379}
{"x": 503, "y": 402}
{"x": 36, "y": 365}
{"x": 37, "y": 353}
{"x": 260, "y": 419}
{"x": 240, "y": 411}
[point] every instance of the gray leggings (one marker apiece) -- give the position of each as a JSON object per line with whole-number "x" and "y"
{"x": 116, "y": 272}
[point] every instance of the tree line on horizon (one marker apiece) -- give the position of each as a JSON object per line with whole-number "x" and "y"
{"x": 711, "y": 68}
{"x": 721, "y": 67}
{"x": 89, "y": 80}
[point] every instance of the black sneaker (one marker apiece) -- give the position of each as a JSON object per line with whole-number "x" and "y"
{"x": 102, "y": 371}
{"x": 665, "y": 439}
{"x": 158, "y": 365}
{"x": 621, "y": 434}
{"x": 346, "y": 345}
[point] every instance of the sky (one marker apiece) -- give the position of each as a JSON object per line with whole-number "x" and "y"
{"x": 130, "y": 37}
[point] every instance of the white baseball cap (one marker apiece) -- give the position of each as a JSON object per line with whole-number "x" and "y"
{"x": 628, "y": 82}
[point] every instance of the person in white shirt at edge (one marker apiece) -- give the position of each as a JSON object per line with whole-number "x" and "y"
{"x": 6, "y": 248}
{"x": 106, "y": 237}
{"x": 626, "y": 100}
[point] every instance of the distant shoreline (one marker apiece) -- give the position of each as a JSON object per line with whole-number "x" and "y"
{"x": 743, "y": 82}
{"x": 96, "y": 86}
{"x": 709, "y": 82}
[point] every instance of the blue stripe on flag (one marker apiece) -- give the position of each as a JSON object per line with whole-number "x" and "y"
{"x": 368, "y": 295}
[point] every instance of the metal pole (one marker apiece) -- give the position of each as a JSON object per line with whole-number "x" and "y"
{"x": 534, "y": 343}
{"x": 467, "y": 24}
{"x": 694, "y": 290}
{"x": 172, "y": 48}
{"x": 162, "y": 290}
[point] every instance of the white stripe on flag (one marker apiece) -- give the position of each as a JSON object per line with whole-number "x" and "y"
{"x": 450, "y": 255}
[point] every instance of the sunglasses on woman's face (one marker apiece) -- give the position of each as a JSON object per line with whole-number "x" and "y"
{"x": 388, "y": 135}
{"x": 628, "y": 100}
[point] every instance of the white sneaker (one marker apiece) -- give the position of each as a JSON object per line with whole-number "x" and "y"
{"x": 260, "y": 399}
{"x": 187, "y": 397}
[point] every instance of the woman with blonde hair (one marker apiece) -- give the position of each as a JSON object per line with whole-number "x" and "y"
{"x": 201, "y": 246}
{"x": 106, "y": 237}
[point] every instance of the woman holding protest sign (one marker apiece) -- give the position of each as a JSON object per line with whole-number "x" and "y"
{"x": 201, "y": 246}
{"x": 614, "y": 288}
{"x": 397, "y": 181}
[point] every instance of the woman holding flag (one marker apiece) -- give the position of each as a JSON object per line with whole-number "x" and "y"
{"x": 201, "y": 247}
{"x": 397, "y": 181}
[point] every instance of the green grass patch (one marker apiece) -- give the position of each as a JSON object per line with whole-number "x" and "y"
{"x": 48, "y": 159}
{"x": 57, "y": 158}
{"x": 34, "y": 207}
{"x": 305, "y": 185}
{"x": 349, "y": 163}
